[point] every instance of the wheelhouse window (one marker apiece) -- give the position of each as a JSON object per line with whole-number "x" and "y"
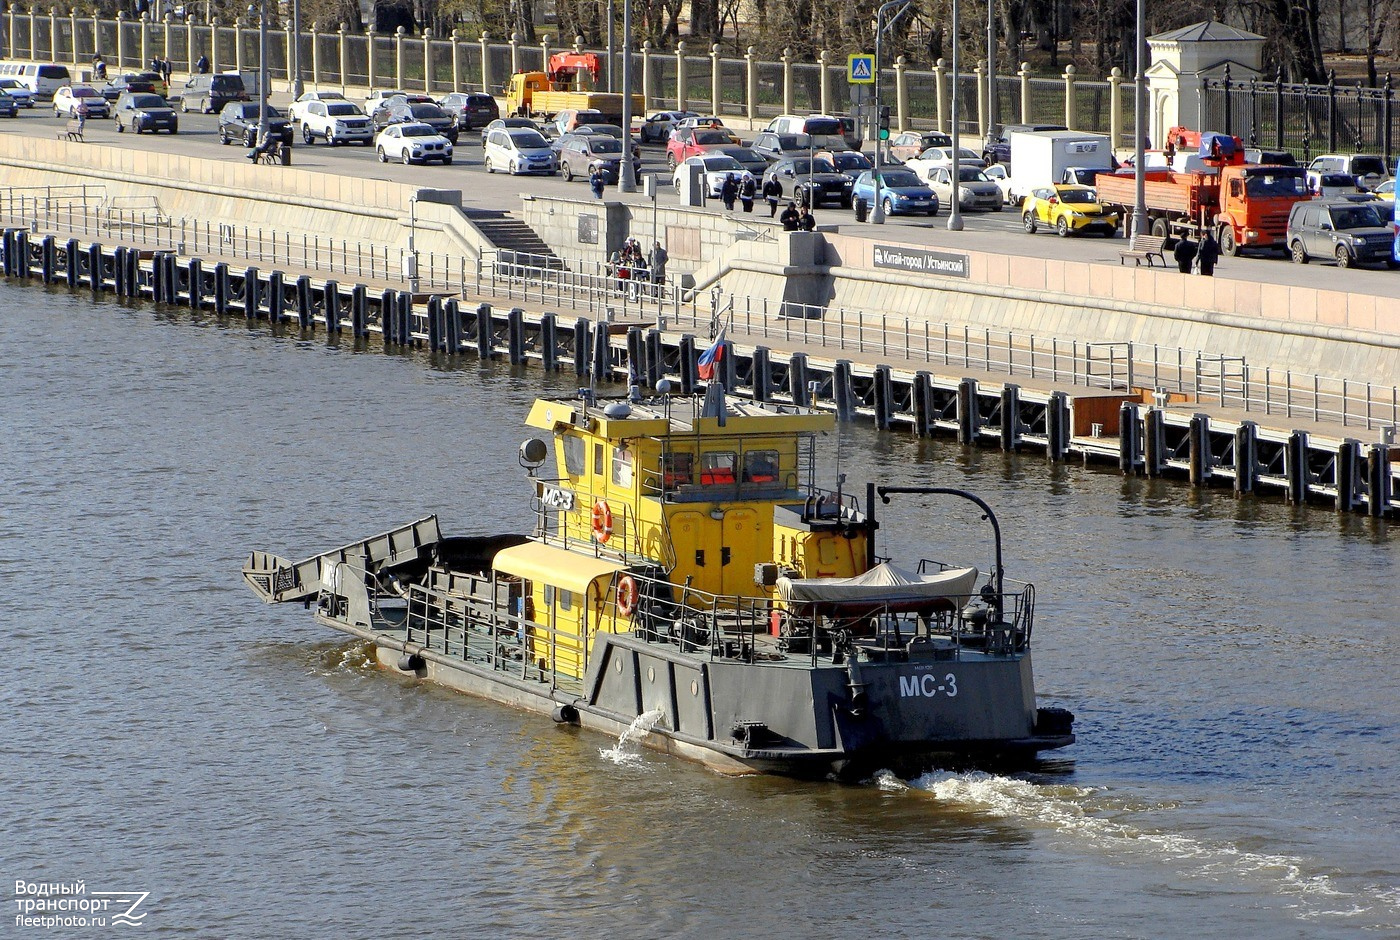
{"x": 622, "y": 466}
{"x": 575, "y": 458}
{"x": 761, "y": 466}
{"x": 717, "y": 467}
{"x": 678, "y": 469}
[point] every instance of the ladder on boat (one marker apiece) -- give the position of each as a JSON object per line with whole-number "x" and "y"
{"x": 277, "y": 580}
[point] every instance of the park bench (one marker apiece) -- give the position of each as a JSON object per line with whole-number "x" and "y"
{"x": 73, "y": 131}
{"x": 1144, "y": 248}
{"x": 272, "y": 156}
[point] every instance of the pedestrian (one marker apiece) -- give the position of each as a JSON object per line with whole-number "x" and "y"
{"x": 1184, "y": 253}
{"x": 790, "y": 218}
{"x": 729, "y": 191}
{"x": 1207, "y": 254}
{"x": 806, "y": 221}
{"x": 202, "y": 65}
{"x": 772, "y": 191}
{"x": 746, "y": 192}
{"x": 596, "y": 181}
{"x": 156, "y": 65}
{"x": 167, "y": 69}
{"x": 99, "y": 69}
{"x": 659, "y": 257}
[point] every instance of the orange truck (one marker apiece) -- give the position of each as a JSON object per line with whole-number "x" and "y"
{"x": 569, "y": 83}
{"x": 1246, "y": 206}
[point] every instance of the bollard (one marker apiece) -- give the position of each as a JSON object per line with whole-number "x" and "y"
{"x": 406, "y": 324}
{"x": 1010, "y": 417}
{"x": 687, "y": 364}
{"x": 655, "y": 358}
{"x": 1378, "y": 483}
{"x": 602, "y": 353}
{"x": 97, "y": 277}
{"x": 388, "y": 323}
{"x": 1295, "y": 467}
{"x": 483, "y": 331}
{"x": 196, "y": 279}
{"x": 452, "y": 323}
{"x": 841, "y": 391}
{"x": 549, "y": 342}
{"x": 1348, "y": 474}
{"x": 71, "y": 261}
{"x": 330, "y": 306}
{"x": 1129, "y": 438}
{"x": 276, "y": 297}
{"x": 1057, "y": 427}
{"x": 21, "y": 254}
{"x": 762, "y": 388}
{"x": 9, "y": 252}
{"x": 158, "y": 277}
{"x": 133, "y": 273}
{"x": 883, "y": 392}
{"x": 968, "y": 418}
{"x": 221, "y": 289}
{"x": 119, "y": 270}
{"x": 1246, "y": 457}
{"x": 516, "y": 339}
{"x": 636, "y": 355}
{"x": 1198, "y": 443}
{"x": 435, "y": 330}
{"x": 923, "y": 404}
{"x": 172, "y": 278}
{"x": 797, "y": 380}
{"x": 1154, "y": 442}
{"x": 252, "y": 303}
{"x": 359, "y": 311}
{"x": 306, "y": 307}
{"x": 583, "y": 352}
{"x": 48, "y": 259}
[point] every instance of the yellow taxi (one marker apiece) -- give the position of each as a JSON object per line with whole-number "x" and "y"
{"x": 1385, "y": 191}
{"x": 1068, "y": 210}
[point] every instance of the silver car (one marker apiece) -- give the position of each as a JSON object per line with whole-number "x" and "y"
{"x": 975, "y": 190}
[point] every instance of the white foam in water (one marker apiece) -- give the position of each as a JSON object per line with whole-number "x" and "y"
{"x": 1061, "y": 808}
{"x": 638, "y": 729}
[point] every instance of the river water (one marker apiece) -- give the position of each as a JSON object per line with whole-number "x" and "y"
{"x": 1233, "y": 665}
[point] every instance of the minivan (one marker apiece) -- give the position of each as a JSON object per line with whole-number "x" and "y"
{"x": 1340, "y": 230}
{"x": 209, "y": 93}
{"x": 41, "y": 78}
{"x": 518, "y": 150}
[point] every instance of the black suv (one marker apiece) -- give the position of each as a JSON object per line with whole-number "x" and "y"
{"x": 825, "y": 184}
{"x": 472, "y": 110}
{"x": 416, "y": 112}
{"x": 239, "y": 121}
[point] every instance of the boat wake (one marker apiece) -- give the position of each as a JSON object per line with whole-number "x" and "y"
{"x": 1092, "y": 815}
{"x": 625, "y": 752}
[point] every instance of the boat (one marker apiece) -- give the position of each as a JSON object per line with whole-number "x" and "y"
{"x": 686, "y": 573}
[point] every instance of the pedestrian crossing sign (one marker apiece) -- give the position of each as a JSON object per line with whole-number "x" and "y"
{"x": 860, "y": 69}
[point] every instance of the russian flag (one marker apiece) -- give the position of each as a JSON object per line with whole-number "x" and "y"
{"x": 708, "y": 363}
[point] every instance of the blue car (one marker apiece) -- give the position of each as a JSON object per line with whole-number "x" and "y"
{"x": 901, "y": 192}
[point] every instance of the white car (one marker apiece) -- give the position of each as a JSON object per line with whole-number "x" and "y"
{"x": 924, "y": 163}
{"x": 716, "y": 167}
{"x": 412, "y": 143}
{"x": 335, "y": 122}
{"x": 997, "y": 174}
{"x": 69, "y": 98}
{"x": 296, "y": 111}
{"x": 378, "y": 98}
{"x": 518, "y": 150}
{"x": 1368, "y": 169}
{"x": 24, "y": 98}
{"x": 657, "y": 128}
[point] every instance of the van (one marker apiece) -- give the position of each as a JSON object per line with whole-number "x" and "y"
{"x": 816, "y": 125}
{"x": 42, "y": 78}
{"x": 209, "y": 93}
{"x": 518, "y": 150}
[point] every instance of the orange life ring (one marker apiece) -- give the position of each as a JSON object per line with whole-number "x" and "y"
{"x": 626, "y": 595}
{"x": 602, "y": 520}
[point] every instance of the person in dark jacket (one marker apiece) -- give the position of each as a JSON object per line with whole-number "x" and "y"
{"x": 728, "y": 192}
{"x": 202, "y": 66}
{"x": 772, "y": 191}
{"x": 1207, "y": 254}
{"x": 790, "y": 218}
{"x": 806, "y": 221}
{"x": 747, "y": 189}
{"x": 1184, "y": 253}
{"x": 596, "y": 181}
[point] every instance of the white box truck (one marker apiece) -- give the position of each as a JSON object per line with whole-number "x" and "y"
{"x": 1044, "y": 158}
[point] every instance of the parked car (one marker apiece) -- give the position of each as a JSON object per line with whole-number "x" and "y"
{"x": 580, "y": 152}
{"x": 410, "y": 142}
{"x": 518, "y": 150}
{"x": 910, "y": 144}
{"x": 472, "y": 109}
{"x": 9, "y": 107}
{"x": 715, "y": 168}
{"x": 1368, "y": 170}
{"x": 1346, "y": 232}
{"x": 825, "y": 184}
{"x": 901, "y": 192}
{"x": 997, "y": 148}
{"x": 850, "y": 162}
{"x": 239, "y": 121}
{"x": 131, "y": 81}
{"x": 746, "y": 158}
{"x": 657, "y": 127}
{"x": 417, "y": 112}
{"x": 1331, "y": 185}
{"x": 143, "y": 111}
{"x": 22, "y": 95}
{"x": 975, "y": 191}
{"x": 1068, "y": 210}
{"x": 335, "y": 122}
{"x": 773, "y": 146}
{"x": 687, "y": 142}
{"x": 296, "y": 111}
{"x": 209, "y": 93}
{"x": 69, "y": 98}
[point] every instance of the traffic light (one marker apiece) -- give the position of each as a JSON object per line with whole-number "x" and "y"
{"x": 884, "y": 122}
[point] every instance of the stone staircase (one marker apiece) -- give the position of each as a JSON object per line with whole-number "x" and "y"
{"x": 507, "y": 233}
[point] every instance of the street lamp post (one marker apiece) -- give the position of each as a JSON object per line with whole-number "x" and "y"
{"x": 877, "y": 212}
{"x": 261, "y": 12}
{"x": 955, "y": 220}
{"x": 297, "y": 85}
{"x": 611, "y": 56}
{"x": 627, "y": 183}
{"x": 1139, "y": 226}
{"x": 991, "y": 66}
